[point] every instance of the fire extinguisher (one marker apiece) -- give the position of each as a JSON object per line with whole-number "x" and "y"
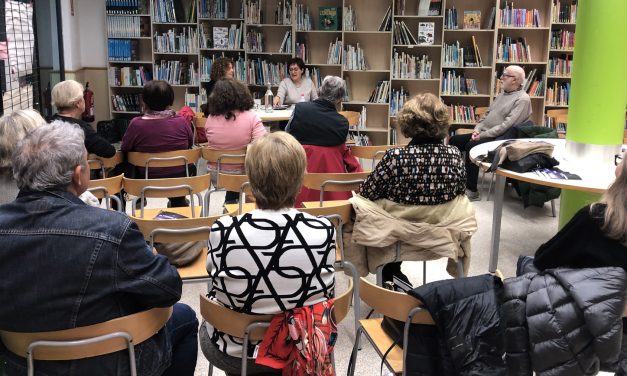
{"x": 88, "y": 95}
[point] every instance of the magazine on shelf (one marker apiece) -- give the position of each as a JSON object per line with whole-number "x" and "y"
{"x": 426, "y": 32}
{"x": 220, "y": 37}
{"x": 328, "y": 18}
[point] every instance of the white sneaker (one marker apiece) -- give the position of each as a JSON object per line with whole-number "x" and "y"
{"x": 473, "y": 196}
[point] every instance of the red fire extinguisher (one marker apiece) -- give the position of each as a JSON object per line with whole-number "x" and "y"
{"x": 88, "y": 95}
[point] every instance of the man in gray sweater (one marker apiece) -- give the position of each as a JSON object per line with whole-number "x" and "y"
{"x": 511, "y": 107}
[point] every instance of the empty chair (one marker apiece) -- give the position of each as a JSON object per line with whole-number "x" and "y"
{"x": 107, "y": 189}
{"x": 104, "y": 164}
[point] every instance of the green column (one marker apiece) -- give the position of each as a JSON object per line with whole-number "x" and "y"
{"x": 596, "y": 115}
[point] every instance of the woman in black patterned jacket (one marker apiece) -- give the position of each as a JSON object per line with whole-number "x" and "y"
{"x": 272, "y": 259}
{"x": 425, "y": 172}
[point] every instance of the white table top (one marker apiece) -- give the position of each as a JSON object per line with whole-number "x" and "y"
{"x": 275, "y": 115}
{"x": 594, "y": 180}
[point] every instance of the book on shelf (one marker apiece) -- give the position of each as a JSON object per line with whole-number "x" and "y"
{"x": 123, "y": 49}
{"x": 435, "y": 7}
{"x": 125, "y": 27}
{"x": 335, "y": 54}
{"x": 216, "y": 9}
{"x": 358, "y": 139}
{"x": 488, "y": 22}
{"x": 353, "y": 58}
{"x": 462, "y": 114}
{"x": 261, "y": 72}
{"x": 286, "y": 45}
{"x": 126, "y": 102}
{"x": 124, "y": 7}
{"x": 301, "y": 51}
{"x": 381, "y": 92}
{"x": 558, "y": 94}
{"x": 450, "y": 19}
{"x": 283, "y": 13}
{"x": 327, "y": 17}
{"x": 386, "y": 22}
{"x": 254, "y": 41}
{"x": 400, "y": 7}
{"x": 513, "y": 51}
{"x": 183, "y": 40}
{"x": 313, "y": 73}
{"x": 472, "y": 19}
{"x": 426, "y": 33}
{"x": 453, "y": 55}
{"x": 252, "y": 12}
{"x": 397, "y": 100}
{"x": 220, "y": 37}
{"x": 454, "y": 83}
{"x": 560, "y": 66}
{"x": 562, "y": 40}
{"x": 409, "y": 66}
{"x": 176, "y": 72}
{"x": 514, "y": 17}
{"x": 477, "y": 55}
{"x": 402, "y": 35}
{"x": 128, "y": 76}
{"x": 303, "y": 18}
{"x": 565, "y": 11}
{"x": 348, "y": 18}
{"x": 168, "y": 10}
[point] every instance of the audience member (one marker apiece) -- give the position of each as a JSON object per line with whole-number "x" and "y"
{"x": 295, "y": 88}
{"x": 272, "y": 259}
{"x": 322, "y": 131}
{"x": 67, "y": 97}
{"x": 13, "y": 127}
{"x": 221, "y": 68}
{"x": 159, "y": 130}
{"x": 425, "y": 173}
{"x": 510, "y": 108}
{"x": 231, "y": 125}
{"x": 85, "y": 265}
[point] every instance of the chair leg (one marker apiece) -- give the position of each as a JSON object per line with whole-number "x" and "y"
{"x": 424, "y": 272}
{"x": 553, "y": 208}
{"x": 210, "y": 370}
{"x": 353, "y": 359}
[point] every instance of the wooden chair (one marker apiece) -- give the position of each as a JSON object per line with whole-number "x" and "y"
{"x": 95, "y": 162}
{"x": 334, "y": 181}
{"x": 166, "y": 188}
{"x": 405, "y": 308}
{"x": 479, "y": 112}
{"x": 199, "y": 123}
{"x": 88, "y": 341}
{"x": 165, "y": 159}
{"x": 218, "y": 157}
{"x": 374, "y": 153}
{"x": 234, "y": 183}
{"x": 107, "y": 189}
{"x": 177, "y": 231}
{"x": 352, "y": 117}
{"x": 253, "y": 327}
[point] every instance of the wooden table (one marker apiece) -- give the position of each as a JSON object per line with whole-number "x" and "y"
{"x": 592, "y": 180}
{"x": 275, "y": 115}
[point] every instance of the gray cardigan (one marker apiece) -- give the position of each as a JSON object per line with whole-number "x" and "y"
{"x": 508, "y": 109}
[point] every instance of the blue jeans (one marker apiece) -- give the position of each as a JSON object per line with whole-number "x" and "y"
{"x": 183, "y": 330}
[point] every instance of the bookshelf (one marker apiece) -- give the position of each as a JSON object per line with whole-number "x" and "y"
{"x": 413, "y": 51}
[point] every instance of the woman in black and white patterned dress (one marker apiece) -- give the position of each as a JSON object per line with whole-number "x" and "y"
{"x": 272, "y": 259}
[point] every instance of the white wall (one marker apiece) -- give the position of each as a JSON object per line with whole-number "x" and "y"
{"x": 92, "y": 28}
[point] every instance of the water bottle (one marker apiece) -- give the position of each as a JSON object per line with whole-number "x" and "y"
{"x": 302, "y": 97}
{"x": 268, "y": 99}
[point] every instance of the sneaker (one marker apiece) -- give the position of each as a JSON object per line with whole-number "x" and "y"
{"x": 473, "y": 196}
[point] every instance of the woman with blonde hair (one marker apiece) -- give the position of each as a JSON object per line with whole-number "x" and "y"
{"x": 13, "y": 128}
{"x": 597, "y": 235}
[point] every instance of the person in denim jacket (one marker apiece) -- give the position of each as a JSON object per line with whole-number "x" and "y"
{"x": 65, "y": 264}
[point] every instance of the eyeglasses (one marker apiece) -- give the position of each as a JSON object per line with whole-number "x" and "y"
{"x": 507, "y": 75}
{"x": 294, "y": 69}
{"x": 618, "y": 158}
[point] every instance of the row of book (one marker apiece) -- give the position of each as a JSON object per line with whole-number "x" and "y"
{"x": 185, "y": 41}
{"x": 536, "y": 89}
{"x": 215, "y": 9}
{"x": 513, "y": 51}
{"x": 462, "y": 114}
{"x": 286, "y": 44}
{"x": 562, "y": 40}
{"x": 222, "y": 37}
{"x": 407, "y": 66}
{"x": 397, "y": 100}
{"x": 252, "y": 12}
{"x": 283, "y": 13}
{"x": 558, "y": 94}
{"x": 425, "y": 8}
{"x": 303, "y": 18}
{"x": 176, "y": 72}
{"x": 124, "y": 27}
{"x": 206, "y": 62}
{"x": 551, "y": 122}
{"x": 513, "y": 17}
{"x": 254, "y": 41}
{"x": 301, "y": 52}
{"x": 560, "y": 66}
{"x": 126, "y": 102}
{"x": 123, "y": 6}
{"x": 402, "y": 35}
{"x": 456, "y": 56}
{"x": 313, "y": 73}
{"x": 334, "y": 55}
{"x": 129, "y": 76}
{"x": 163, "y": 11}
{"x": 195, "y": 101}
{"x": 358, "y": 139}
{"x": 353, "y": 58}
{"x": 564, "y": 12}
{"x": 262, "y": 72}
{"x": 123, "y": 49}
{"x": 348, "y": 18}
{"x": 454, "y": 83}
{"x": 386, "y": 22}
{"x": 381, "y": 92}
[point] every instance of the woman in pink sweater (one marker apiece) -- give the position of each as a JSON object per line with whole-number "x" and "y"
{"x": 231, "y": 125}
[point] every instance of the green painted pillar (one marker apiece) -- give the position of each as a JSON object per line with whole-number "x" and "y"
{"x": 596, "y": 115}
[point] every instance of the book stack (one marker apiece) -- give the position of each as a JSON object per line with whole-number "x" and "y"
{"x": 564, "y": 13}
{"x": 176, "y": 72}
{"x": 512, "y": 51}
{"x": 450, "y": 19}
{"x": 558, "y": 94}
{"x": 123, "y": 7}
{"x": 335, "y": 52}
{"x": 253, "y": 12}
{"x": 397, "y": 100}
{"x": 353, "y": 58}
{"x": 456, "y": 84}
{"x": 453, "y": 55}
{"x": 409, "y": 66}
{"x": 462, "y": 114}
{"x": 562, "y": 40}
{"x": 386, "y": 22}
{"x": 283, "y": 13}
{"x": 286, "y": 45}
{"x": 215, "y": 9}
{"x": 262, "y": 72}
{"x": 349, "y": 18}
{"x": 124, "y": 27}
{"x": 303, "y": 18}
{"x": 123, "y": 49}
{"x": 512, "y": 17}
{"x": 254, "y": 41}
{"x": 313, "y": 73}
{"x": 185, "y": 41}
{"x": 301, "y": 51}
{"x": 560, "y": 66}
{"x": 402, "y": 35}
{"x": 126, "y": 102}
{"x": 129, "y": 76}
{"x": 381, "y": 92}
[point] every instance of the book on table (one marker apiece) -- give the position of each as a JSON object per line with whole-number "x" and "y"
{"x": 163, "y": 214}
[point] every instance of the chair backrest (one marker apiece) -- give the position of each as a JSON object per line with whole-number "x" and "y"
{"x": 234, "y": 183}
{"x": 175, "y": 230}
{"x": 371, "y": 152}
{"x": 165, "y": 159}
{"x": 102, "y": 188}
{"x": 140, "y": 326}
{"x": 342, "y": 210}
{"x": 96, "y": 162}
{"x": 351, "y": 116}
{"x": 167, "y": 187}
{"x": 480, "y": 111}
{"x": 379, "y": 300}
{"x": 224, "y": 156}
{"x": 334, "y": 181}
{"x": 199, "y": 120}
{"x": 342, "y": 302}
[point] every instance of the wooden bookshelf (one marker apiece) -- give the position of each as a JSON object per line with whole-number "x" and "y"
{"x": 379, "y": 49}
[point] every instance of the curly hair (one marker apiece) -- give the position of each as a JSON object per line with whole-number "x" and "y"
{"x": 227, "y": 97}
{"x": 219, "y": 67}
{"x": 424, "y": 116}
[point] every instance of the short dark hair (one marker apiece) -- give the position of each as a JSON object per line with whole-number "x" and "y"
{"x": 219, "y": 67}
{"x": 229, "y": 96}
{"x": 424, "y": 116}
{"x": 157, "y": 95}
{"x": 298, "y": 61}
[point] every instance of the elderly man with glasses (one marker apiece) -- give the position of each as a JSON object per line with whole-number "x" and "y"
{"x": 510, "y": 108}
